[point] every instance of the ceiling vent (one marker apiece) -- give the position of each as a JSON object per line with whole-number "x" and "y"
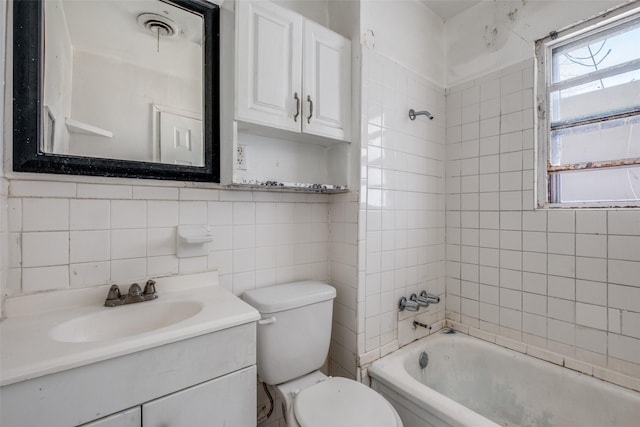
{"x": 158, "y": 25}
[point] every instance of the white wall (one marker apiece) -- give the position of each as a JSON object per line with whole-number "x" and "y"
{"x": 58, "y": 66}
{"x": 408, "y": 32}
{"x": 316, "y": 10}
{"x": 100, "y": 83}
{"x": 495, "y": 34}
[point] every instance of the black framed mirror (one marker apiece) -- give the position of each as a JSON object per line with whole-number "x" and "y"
{"x": 117, "y": 88}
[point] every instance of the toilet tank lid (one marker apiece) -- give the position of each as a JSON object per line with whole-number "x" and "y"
{"x": 272, "y": 299}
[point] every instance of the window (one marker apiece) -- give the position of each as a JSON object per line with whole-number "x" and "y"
{"x": 589, "y": 113}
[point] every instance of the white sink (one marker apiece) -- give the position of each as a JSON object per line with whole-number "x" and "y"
{"x": 52, "y": 332}
{"x": 124, "y": 321}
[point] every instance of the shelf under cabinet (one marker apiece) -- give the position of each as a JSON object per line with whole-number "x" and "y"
{"x": 286, "y": 161}
{"x": 291, "y": 186}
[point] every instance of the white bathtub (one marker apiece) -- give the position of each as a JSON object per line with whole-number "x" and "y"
{"x": 472, "y": 383}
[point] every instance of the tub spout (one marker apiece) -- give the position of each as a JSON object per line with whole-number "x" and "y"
{"x": 422, "y": 325}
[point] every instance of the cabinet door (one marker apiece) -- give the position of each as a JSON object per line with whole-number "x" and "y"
{"x": 268, "y": 65}
{"x": 129, "y": 418}
{"x": 327, "y": 83}
{"x": 226, "y": 401}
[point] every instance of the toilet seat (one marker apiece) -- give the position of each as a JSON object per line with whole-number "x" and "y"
{"x": 342, "y": 402}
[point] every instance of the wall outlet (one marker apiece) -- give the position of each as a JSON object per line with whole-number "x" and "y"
{"x": 241, "y": 157}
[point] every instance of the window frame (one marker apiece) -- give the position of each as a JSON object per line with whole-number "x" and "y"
{"x": 543, "y": 63}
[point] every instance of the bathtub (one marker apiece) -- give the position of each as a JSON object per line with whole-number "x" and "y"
{"x": 472, "y": 383}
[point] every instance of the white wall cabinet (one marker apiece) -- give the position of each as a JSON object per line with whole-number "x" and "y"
{"x": 268, "y": 64}
{"x": 290, "y": 125}
{"x": 292, "y": 73}
{"x": 326, "y": 81}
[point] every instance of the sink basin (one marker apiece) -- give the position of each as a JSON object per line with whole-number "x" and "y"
{"x": 124, "y": 321}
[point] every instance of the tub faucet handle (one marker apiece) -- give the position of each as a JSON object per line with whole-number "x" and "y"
{"x": 408, "y": 304}
{"x": 419, "y": 300}
{"x": 431, "y": 299}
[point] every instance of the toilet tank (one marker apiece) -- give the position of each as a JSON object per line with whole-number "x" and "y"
{"x": 295, "y": 328}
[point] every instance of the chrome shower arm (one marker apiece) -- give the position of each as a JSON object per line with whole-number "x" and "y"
{"x": 413, "y": 114}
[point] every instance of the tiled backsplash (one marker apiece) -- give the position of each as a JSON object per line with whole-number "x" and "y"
{"x": 561, "y": 280}
{"x": 64, "y": 234}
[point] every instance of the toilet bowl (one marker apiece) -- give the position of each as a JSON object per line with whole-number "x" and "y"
{"x": 316, "y": 400}
{"x": 293, "y": 337}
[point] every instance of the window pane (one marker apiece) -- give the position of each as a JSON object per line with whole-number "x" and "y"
{"x": 597, "y": 52}
{"x": 596, "y": 185}
{"x": 606, "y": 140}
{"x": 617, "y": 93}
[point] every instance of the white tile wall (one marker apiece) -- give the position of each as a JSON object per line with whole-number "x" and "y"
{"x": 401, "y": 237}
{"x": 344, "y": 276}
{"x": 561, "y": 280}
{"x": 72, "y": 235}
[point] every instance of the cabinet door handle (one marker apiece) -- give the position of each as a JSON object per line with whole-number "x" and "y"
{"x": 295, "y": 96}
{"x": 310, "y": 108}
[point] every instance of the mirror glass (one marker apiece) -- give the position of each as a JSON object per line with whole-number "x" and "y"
{"x": 117, "y": 88}
{"x": 123, "y": 80}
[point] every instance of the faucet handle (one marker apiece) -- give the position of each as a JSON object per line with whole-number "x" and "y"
{"x": 434, "y": 299}
{"x": 114, "y": 293}
{"x": 419, "y": 300}
{"x": 149, "y": 292}
{"x": 408, "y": 304}
{"x": 150, "y": 287}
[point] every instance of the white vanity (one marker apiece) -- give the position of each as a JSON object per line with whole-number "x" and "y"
{"x": 185, "y": 359}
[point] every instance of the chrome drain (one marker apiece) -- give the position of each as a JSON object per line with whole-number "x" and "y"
{"x": 423, "y": 360}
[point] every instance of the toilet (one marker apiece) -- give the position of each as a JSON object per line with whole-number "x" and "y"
{"x": 293, "y": 339}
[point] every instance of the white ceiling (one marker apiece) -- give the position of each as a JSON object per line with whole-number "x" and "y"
{"x": 449, "y": 8}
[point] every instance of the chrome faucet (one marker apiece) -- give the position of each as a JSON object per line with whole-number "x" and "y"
{"x": 134, "y": 295}
{"x": 407, "y": 304}
{"x": 419, "y": 300}
{"x": 429, "y": 298}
